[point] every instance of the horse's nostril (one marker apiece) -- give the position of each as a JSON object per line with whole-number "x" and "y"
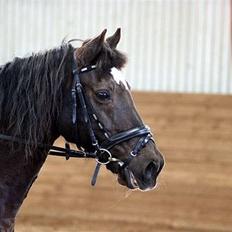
{"x": 151, "y": 170}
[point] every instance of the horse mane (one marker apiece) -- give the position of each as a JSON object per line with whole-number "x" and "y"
{"x": 31, "y": 91}
{"x": 31, "y": 94}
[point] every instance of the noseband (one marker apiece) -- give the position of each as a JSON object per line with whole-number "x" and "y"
{"x": 101, "y": 152}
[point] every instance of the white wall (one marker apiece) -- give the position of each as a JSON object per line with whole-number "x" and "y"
{"x": 172, "y": 45}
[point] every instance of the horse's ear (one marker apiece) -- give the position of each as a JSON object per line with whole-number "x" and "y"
{"x": 114, "y": 39}
{"x": 90, "y": 49}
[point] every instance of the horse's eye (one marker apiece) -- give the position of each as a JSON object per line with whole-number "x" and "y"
{"x": 103, "y": 95}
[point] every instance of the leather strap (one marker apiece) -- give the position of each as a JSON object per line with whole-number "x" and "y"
{"x": 124, "y": 136}
{"x": 53, "y": 150}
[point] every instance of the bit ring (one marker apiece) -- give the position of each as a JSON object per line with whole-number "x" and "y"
{"x": 107, "y": 152}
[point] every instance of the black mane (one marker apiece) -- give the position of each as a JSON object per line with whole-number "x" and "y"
{"x": 31, "y": 94}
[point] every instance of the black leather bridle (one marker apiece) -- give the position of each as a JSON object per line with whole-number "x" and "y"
{"x": 101, "y": 152}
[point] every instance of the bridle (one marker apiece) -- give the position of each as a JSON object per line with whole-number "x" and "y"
{"x": 100, "y": 152}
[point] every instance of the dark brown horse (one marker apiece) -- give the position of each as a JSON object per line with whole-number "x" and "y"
{"x": 39, "y": 101}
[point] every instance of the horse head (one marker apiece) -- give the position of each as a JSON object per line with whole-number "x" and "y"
{"x": 111, "y": 113}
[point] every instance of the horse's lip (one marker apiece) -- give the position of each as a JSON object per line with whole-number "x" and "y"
{"x": 132, "y": 180}
{"x": 127, "y": 178}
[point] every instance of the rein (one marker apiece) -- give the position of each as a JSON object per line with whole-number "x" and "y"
{"x": 101, "y": 152}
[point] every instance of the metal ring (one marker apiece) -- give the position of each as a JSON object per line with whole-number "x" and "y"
{"x": 108, "y": 153}
{"x": 133, "y": 154}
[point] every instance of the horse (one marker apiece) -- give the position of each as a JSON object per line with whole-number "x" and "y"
{"x": 80, "y": 94}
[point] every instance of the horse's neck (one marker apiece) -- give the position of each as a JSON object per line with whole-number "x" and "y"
{"x": 16, "y": 178}
{"x": 7, "y": 224}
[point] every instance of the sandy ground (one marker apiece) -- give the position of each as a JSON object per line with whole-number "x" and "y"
{"x": 195, "y": 188}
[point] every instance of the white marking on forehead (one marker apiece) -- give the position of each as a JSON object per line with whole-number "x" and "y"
{"x": 119, "y": 77}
